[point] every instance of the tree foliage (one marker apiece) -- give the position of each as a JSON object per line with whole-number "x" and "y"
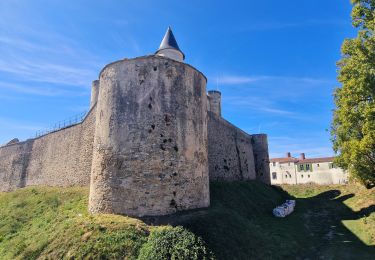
{"x": 353, "y": 127}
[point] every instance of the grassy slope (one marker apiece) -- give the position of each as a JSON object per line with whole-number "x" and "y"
{"x": 328, "y": 221}
{"x": 240, "y": 224}
{"x": 355, "y": 207}
{"x": 53, "y": 223}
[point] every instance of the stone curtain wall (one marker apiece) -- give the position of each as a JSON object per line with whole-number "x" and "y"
{"x": 150, "y": 155}
{"x": 61, "y": 158}
{"x": 230, "y": 151}
{"x": 13, "y": 165}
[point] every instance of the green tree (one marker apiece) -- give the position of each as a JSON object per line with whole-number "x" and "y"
{"x": 353, "y": 126}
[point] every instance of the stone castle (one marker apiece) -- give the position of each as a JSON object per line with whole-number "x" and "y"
{"x": 150, "y": 144}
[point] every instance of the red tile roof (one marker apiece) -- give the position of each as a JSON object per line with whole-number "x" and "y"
{"x": 296, "y": 160}
{"x": 317, "y": 160}
{"x": 284, "y": 160}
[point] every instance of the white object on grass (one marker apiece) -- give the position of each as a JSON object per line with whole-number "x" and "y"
{"x": 285, "y": 209}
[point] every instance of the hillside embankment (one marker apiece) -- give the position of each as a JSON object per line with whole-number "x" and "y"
{"x": 334, "y": 222}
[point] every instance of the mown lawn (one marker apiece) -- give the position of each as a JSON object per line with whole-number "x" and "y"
{"x": 330, "y": 222}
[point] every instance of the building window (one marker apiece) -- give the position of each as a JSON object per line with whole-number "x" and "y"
{"x": 308, "y": 176}
{"x": 273, "y": 164}
{"x": 301, "y": 175}
{"x": 301, "y": 167}
{"x": 332, "y": 165}
{"x": 317, "y": 165}
{"x": 307, "y": 167}
{"x": 286, "y": 176}
{"x": 274, "y": 176}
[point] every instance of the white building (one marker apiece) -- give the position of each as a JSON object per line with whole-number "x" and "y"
{"x": 291, "y": 170}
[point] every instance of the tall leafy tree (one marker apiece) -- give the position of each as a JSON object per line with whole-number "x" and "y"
{"x": 353, "y": 126}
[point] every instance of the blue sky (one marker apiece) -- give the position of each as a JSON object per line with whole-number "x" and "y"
{"x": 274, "y": 61}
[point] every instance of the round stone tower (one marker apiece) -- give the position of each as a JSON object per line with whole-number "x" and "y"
{"x": 94, "y": 93}
{"x": 214, "y": 99}
{"x": 261, "y": 157}
{"x": 150, "y": 144}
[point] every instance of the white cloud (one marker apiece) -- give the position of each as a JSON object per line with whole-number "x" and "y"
{"x": 279, "y": 25}
{"x": 17, "y": 125}
{"x": 277, "y": 111}
{"x": 44, "y": 56}
{"x": 236, "y": 80}
{"x": 312, "y": 146}
{"x": 39, "y": 91}
{"x": 43, "y": 71}
{"x": 272, "y": 94}
{"x": 119, "y": 22}
{"x": 243, "y": 79}
{"x": 316, "y": 152}
{"x": 256, "y": 103}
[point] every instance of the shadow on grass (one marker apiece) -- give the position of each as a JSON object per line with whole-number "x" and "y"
{"x": 240, "y": 225}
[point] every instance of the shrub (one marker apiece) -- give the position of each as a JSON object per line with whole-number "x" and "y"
{"x": 174, "y": 243}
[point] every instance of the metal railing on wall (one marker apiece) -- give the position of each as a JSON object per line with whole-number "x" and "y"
{"x": 62, "y": 124}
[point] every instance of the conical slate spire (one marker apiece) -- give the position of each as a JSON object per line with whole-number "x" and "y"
{"x": 169, "y": 42}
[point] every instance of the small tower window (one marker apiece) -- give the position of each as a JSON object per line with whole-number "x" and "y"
{"x": 274, "y": 176}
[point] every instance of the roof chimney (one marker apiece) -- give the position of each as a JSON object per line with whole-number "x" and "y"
{"x": 302, "y": 156}
{"x": 288, "y": 155}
